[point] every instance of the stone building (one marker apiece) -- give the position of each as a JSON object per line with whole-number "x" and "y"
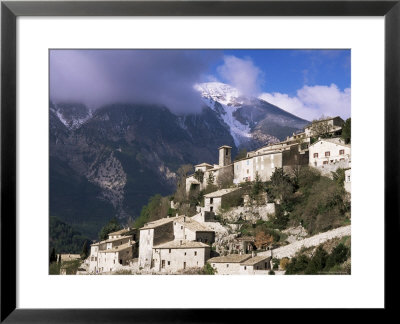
{"x": 228, "y": 264}
{"x": 180, "y": 255}
{"x": 186, "y": 228}
{"x": 151, "y": 234}
{"x": 330, "y": 125}
{"x": 255, "y": 265}
{"x": 110, "y": 254}
{"x": 221, "y": 172}
{"x": 172, "y": 231}
{"x": 328, "y": 152}
{"x": 265, "y": 161}
{"x": 214, "y": 200}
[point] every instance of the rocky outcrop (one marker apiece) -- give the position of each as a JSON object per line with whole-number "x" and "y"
{"x": 250, "y": 213}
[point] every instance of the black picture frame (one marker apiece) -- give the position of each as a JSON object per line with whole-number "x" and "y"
{"x": 10, "y": 10}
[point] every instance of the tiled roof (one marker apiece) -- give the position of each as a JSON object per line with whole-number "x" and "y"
{"x": 113, "y": 240}
{"x": 220, "y": 193}
{"x": 230, "y": 258}
{"x": 191, "y": 224}
{"x": 118, "y": 248}
{"x": 203, "y": 164}
{"x": 255, "y": 260}
{"x": 181, "y": 244}
{"x": 157, "y": 223}
{"x": 120, "y": 232}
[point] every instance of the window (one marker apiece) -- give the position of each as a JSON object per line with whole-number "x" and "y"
{"x": 325, "y": 162}
{"x": 227, "y": 265}
{"x": 195, "y": 252}
{"x": 169, "y": 262}
{"x": 181, "y": 227}
{"x": 315, "y": 163}
{"x": 185, "y": 237}
{"x": 185, "y": 253}
{"x": 315, "y": 155}
{"x": 162, "y": 263}
{"x": 211, "y": 208}
{"x": 226, "y": 152}
{"x": 211, "y": 200}
{"x": 247, "y": 171}
{"x": 328, "y": 153}
{"x": 169, "y": 250}
{"x": 245, "y": 267}
{"x": 247, "y": 162}
{"x": 341, "y": 152}
{"x": 184, "y": 265}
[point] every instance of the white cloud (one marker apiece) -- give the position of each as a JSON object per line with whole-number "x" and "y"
{"x": 241, "y": 74}
{"x": 312, "y": 102}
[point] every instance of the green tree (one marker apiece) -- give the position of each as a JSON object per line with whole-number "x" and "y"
{"x": 112, "y": 226}
{"x": 208, "y": 269}
{"x": 338, "y": 255}
{"x": 339, "y": 177}
{"x": 199, "y": 175}
{"x": 85, "y": 250}
{"x": 210, "y": 179}
{"x": 297, "y": 264}
{"x": 317, "y": 262}
{"x": 346, "y": 131}
{"x": 157, "y": 208}
{"x": 281, "y": 185}
{"x": 258, "y": 187}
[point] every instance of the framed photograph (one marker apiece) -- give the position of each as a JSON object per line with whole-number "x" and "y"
{"x": 179, "y": 155}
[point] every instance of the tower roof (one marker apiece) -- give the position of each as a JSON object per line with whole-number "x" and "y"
{"x": 225, "y": 146}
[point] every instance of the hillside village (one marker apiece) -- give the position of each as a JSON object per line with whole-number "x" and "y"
{"x": 216, "y": 233}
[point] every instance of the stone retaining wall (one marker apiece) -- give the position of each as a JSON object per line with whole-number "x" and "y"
{"x": 291, "y": 249}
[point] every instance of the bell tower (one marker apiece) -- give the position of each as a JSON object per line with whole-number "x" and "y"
{"x": 224, "y": 155}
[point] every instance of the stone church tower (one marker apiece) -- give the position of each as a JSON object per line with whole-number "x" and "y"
{"x": 225, "y": 155}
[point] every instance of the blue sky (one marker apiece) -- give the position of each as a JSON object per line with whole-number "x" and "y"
{"x": 307, "y": 83}
{"x": 289, "y": 70}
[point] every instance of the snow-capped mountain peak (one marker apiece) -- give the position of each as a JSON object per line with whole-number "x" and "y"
{"x": 220, "y": 92}
{"x": 248, "y": 119}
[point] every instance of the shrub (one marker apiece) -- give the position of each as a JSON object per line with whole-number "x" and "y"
{"x": 297, "y": 264}
{"x": 317, "y": 262}
{"x": 284, "y": 262}
{"x": 338, "y": 255}
{"x": 199, "y": 175}
{"x": 275, "y": 263}
{"x": 271, "y": 272}
{"x": 208, "y": 269}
